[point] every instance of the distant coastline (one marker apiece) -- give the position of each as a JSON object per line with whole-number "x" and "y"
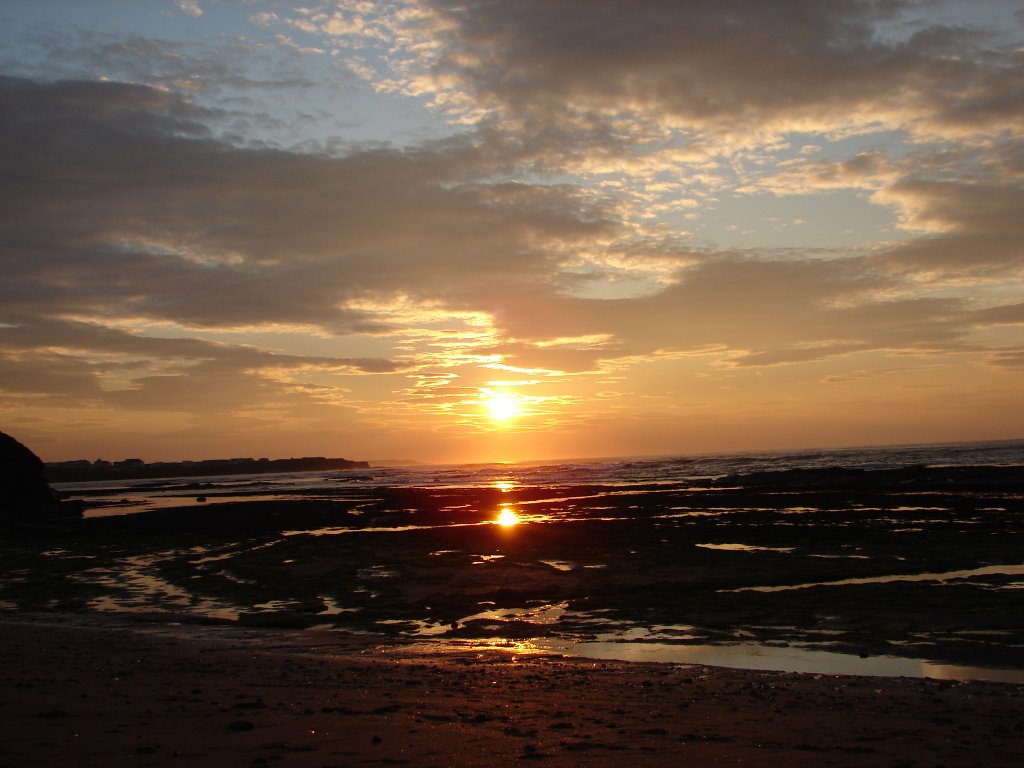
{"x": 136, "y": 469}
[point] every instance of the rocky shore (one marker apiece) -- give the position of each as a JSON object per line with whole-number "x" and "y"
{"x": 922, "y": 566}
{"x": 357, "y": 624}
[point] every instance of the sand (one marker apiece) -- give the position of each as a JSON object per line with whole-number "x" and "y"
{"x": 111, "y": 692}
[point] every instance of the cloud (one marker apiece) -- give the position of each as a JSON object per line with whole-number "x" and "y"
{"x": 865, "y": 170}
{"x": 858, "y": 376}
{"x": 74, "y": 336}
{"x": 88, "y": 365}
{"x": 965, "y": 205}
{"x": 972, "y": 226}
{"x": 183, "y": 66}
{"x": 259, "y": 89}
{"x": 124, "y": 206}
{"x": 190, "y": 7}
{"x": 126, "y": 209}
{"x": 755, "y": 312}
{"x": 743, "y": 69}
{"x": 960, "y": 208}
{"x": 1012, "y": 358}
{"x": 126, "y": 213}
{"x": 1007, "y": 314}
{"x": 657, "y": 100}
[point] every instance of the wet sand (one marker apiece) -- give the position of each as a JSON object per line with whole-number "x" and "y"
{"x": 109, "y": 692}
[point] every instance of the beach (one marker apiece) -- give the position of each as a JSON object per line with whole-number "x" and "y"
{"x": 854, "y": 609}
{"x": 111, "y": 692}
{"x": 913, "y": 563}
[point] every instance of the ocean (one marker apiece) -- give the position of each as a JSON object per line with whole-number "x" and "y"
{"x": 140, "y": 495}
{"x": 900, "y": 560}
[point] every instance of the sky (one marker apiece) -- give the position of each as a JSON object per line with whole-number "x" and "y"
{"x": 501, "y": 230}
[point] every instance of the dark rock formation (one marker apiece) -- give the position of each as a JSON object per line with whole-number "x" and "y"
{"x": 22, "y": 475}
{"x": 910, "y": 479}
{"x": 25, "y": 495}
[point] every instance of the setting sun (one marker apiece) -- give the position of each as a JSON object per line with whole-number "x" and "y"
{"x": 502, "y": 406}
{"x": 507, "y": 517}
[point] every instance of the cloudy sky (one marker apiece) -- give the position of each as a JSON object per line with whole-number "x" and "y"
{"x": 472, "y": 230}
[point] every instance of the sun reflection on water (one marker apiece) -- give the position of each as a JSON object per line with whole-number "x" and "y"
{"x": 506, "y": 517}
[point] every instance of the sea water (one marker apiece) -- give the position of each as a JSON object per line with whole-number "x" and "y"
{"x": 129, "y": 496}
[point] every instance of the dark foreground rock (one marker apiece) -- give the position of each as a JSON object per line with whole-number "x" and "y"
{"x": 26, "y": 497}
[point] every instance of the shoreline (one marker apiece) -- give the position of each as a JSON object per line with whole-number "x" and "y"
{"x": 918, "y": 565}
{"x": 112, "y": 692}
{"x": 737, "y": 655}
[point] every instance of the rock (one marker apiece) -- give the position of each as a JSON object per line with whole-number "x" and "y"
{"x": 22, "y": 475}
{"x": 26, "y": 497}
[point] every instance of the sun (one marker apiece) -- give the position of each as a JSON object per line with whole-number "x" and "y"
{"x": 502, "y": 406}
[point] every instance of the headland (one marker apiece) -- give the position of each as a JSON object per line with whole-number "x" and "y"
{"x": 131, "y": 469}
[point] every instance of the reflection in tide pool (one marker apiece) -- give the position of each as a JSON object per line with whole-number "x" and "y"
{"x": 135, "y": 587}
{"x": 1014, "y": 569}
{"x": 538, "y": 614}
{"x": 744, "y": 548}
{"x": 736, "y": 656}
{"x": 506, "y": 518}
